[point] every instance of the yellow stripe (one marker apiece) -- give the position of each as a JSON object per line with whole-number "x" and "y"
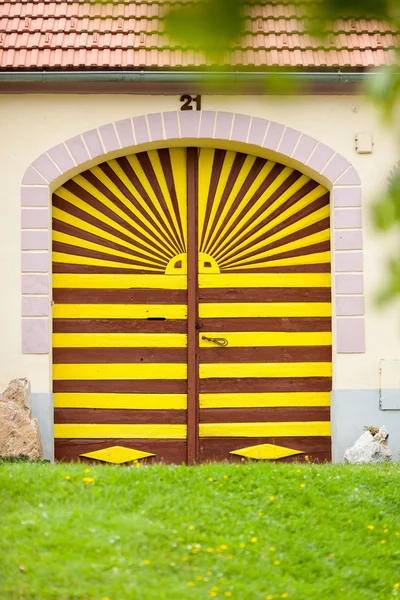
{"x": 73, "y": 259}
{"x": 304, "y": 259}
{"x": 130, "y": 401}
{"x": 122, "y": 281}
{"x": 206, "y": 160}
{"x": 178, "y": 165}
{"x": 119, "y": 371}
{"x": 120, "y": 340}
{"x": 264, "y": 309}
{"x": 88, "y": 431}
{"x": 264, "y": 400}
{"x": 308, "y": 369}
{"x": 239, "y": 339}
{"x": 283, "y": 429}
{"x": 260, "y": 280}
{"x": 119, "y": 311}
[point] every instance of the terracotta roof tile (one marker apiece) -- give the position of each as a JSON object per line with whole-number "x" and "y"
{"x": 128, "y": 34}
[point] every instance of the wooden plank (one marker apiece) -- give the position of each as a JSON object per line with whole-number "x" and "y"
{"x": 267, "y": 324}
{"x": 267, "y": 399}
{"x": 120, "y": 431}
{"x": 262, "y": 354}
{"x": 166, "y": 451}
{"x": 310, "y": 294}
{"x": 121, "y": 401}
{"x": 267, "y": 280}
{"x": 119, "y": 311}
{"x": 119, "y": 355}
{"x": 119, "y": 340}
{"x": 117, "y": 416}
{"x": 260, "y": 384}
{"x": 120, "y": 326}
{"x": 286, "y": 429}
{"x": 272, "y": 339}
{"x": 239, "y": 310}
{"x": 119, "y": 371}
{"x": 122, "y": 386}
{"x": 301, "y": 369}
{"x": 121, "y": 296}
{"x": 192, "y": 347}
{"x": 78, "y": 280}
{"x": 257, "y": 415}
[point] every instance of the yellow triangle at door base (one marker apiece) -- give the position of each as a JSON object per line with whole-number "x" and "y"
{"x": 266, "y": 451}
{"x": 117, "y": 454}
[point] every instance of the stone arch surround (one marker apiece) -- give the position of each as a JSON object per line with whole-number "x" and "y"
{"x": 242, "y": 132}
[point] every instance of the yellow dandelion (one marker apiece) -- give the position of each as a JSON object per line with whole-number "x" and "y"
{"x": 199, "y": 577}
{"x": 225, "y": 477}
{"x": 212, "y": 593}
{"x": 271, "y": 498}
{"x": 210, "y": 549}
{"x": 228, "y": 594}
{"x": 382, "y": 542}
{"x": 191, "y": 583}
{"x": 397, "y": 533}
{"x": 270, "y": 597}
{"x": 277, "y": 562}
{"x": 397, "y": 585}
{"x": 215, "y": 588}
{"x": 298, "y": 470}
{"x": 307, "y": 457}
{"x": 185, "y": 558}
{"x": 105, "y": 598}
{"x": 260, "y": 514}
{"x": 87, "y": 470}
{"x": 272, "y": 548}
{"x": 371, "y": 527}
{"x": 146, "y": 562}
{"x": 242, "y": 545}
{"x": 67, "y": 477}
{"x": 223, "y": 547}
{"x": 88, "y": 480}
{"x": 386, "y": 530}
{"x": 230, "y": 556}
{"x": 302, "y": 485}
{"x": 209, "y": 573}
{"x": 210, "y": 479}
{"x": 195, "y": 568}
{"x": 285, "y": 595}
{"x": 191, "y": 527}
{"x": 253, "y": 540}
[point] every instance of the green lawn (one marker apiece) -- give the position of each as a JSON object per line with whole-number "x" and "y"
{"x": 249, "y": 531}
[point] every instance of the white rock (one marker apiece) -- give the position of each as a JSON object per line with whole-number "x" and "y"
{"x": 369, "y": 448}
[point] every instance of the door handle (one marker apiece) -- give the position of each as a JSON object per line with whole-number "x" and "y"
{"x": 219, "y": 341}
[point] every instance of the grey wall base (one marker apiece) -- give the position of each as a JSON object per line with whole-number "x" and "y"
{"x": 351, "y": 410}
{"x": 43, "y": 411}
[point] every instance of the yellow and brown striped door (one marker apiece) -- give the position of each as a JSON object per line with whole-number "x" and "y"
{"x": 120, "y": 310}
{"x": 265, "y": 312}
{"x": 191, "y": 317}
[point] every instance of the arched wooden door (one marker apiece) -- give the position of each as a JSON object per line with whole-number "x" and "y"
{"x": 254, "y": 378}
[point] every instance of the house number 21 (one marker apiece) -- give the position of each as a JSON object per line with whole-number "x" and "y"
{"x": 188, "y": 101}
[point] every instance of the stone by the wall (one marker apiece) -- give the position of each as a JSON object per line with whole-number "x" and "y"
{"x": 19, "y": 433}
{"x": 371, "y": 447}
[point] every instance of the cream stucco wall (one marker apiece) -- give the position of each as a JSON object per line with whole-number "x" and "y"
{"x": 31, "y": 124}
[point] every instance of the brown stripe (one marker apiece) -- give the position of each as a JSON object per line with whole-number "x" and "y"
{"x": 244, "y": 224}
{"x": 111, "y": 416}
{"x": 167, "y": 451}
{"x": 96, "y": 239}
{"x": 79, "y": 251}
{"x": 264, "y": 294}
{"x": 267, "y": 324}
{"x": 259, "y": 384}
{"x": 145, "y": 162}
{"x": 305, "y": 251}
{"x": 233, "y": 175}
{"x": 218, "y": 162}
{"x": 322, "y": 225}
{"x": 318, "y": 268}
{"x": 107, "y": 170}
{"x": 166, "y": 165}
{"x": 90, "y": 269}
{"x": 118, "y": 355}
{"x": 122, "y": 386}
{"x": 257, "y": 415}
{"x": 118, "y": 296}
{"x": 264, "y": 236}
{"x": 118, "y": 326}
{"x": 270, "y": 354}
